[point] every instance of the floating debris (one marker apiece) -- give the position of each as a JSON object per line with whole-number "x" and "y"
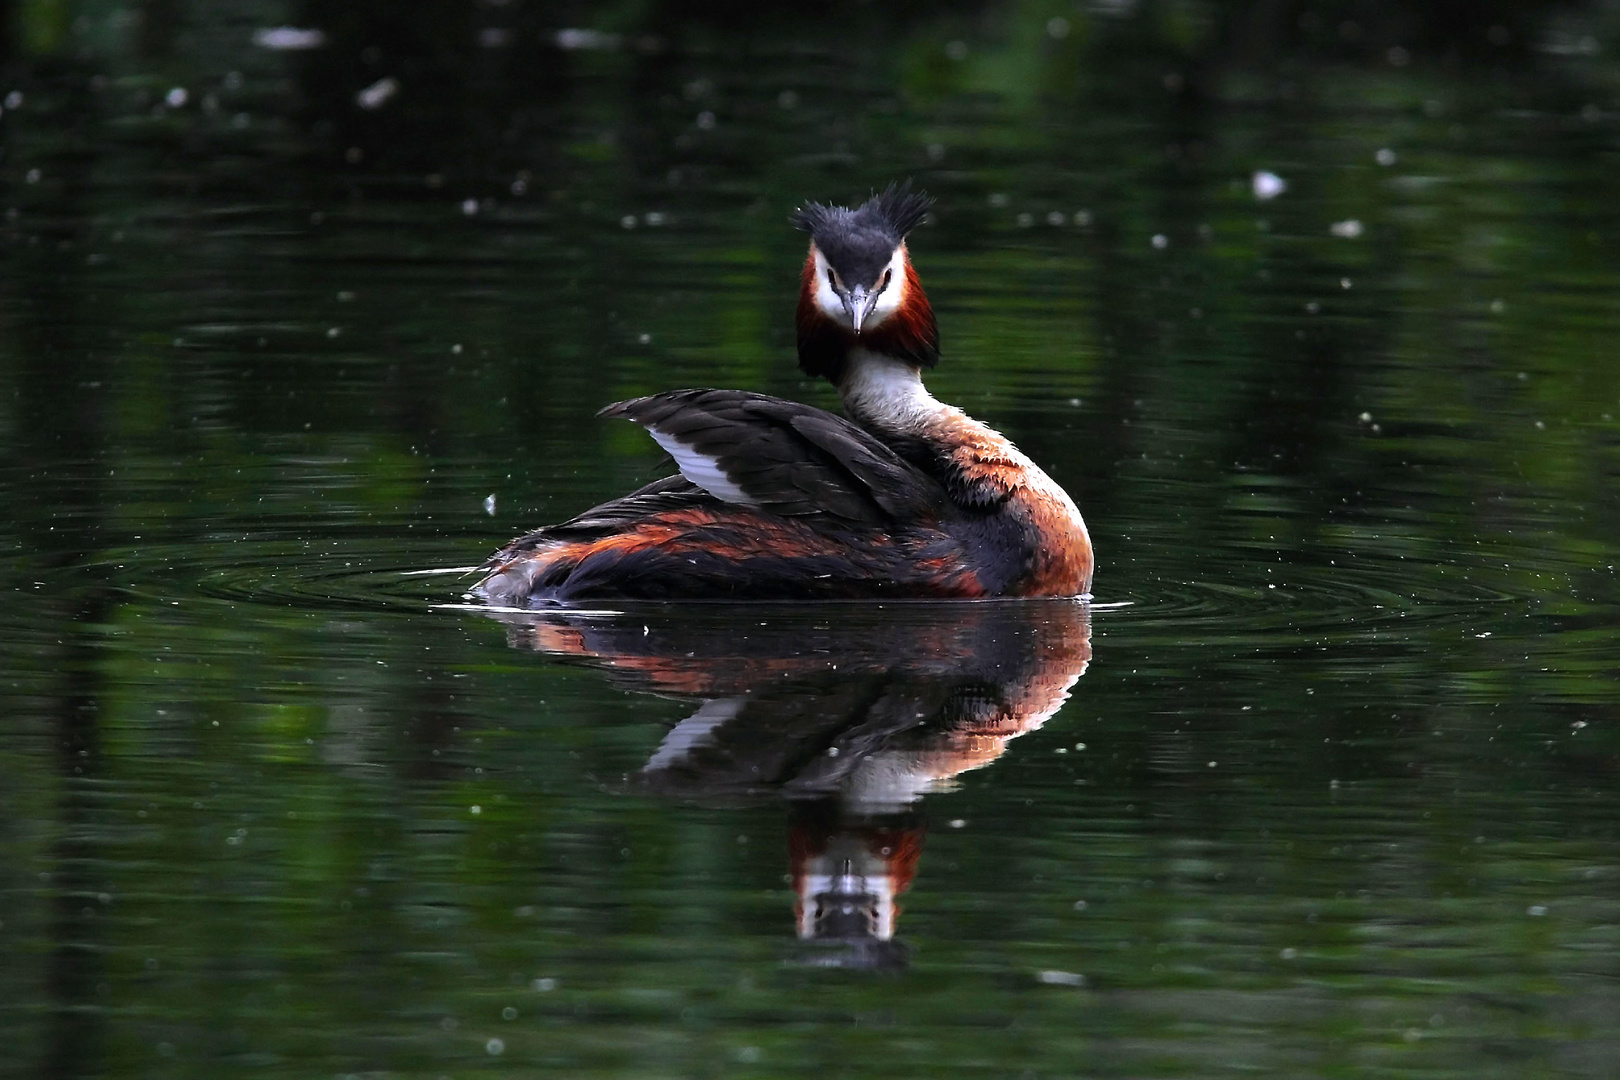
{"x": 1267, "y": 185}
{"x": 288, "y": 38}
{"x": 581, "y": 39}
{"x": 378, "y": 93}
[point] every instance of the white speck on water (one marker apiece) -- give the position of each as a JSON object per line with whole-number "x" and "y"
{"x": 1541, "y": 425}
{"x": 706, "y": 120}
{"x": 832, "y": 751}
{"x": 748, "y": 1055}
{"x": 32, "y": 176}
{"x": 644, "y": 339}
{"x": 333, "y": 331}
{"x": 653, "y": 219}
{"x": 1061, "y": 978}
{"x": 288, "y": 38}
{"x": 1536, "y": 910}
{"x": 1025, "y": 220}
{"x": 1057, "y": 28}
{"x": 176, "y": 97}
{"x": 14, "y": 99}
{"x": 544, "y": 986}
{"x": 998, "y": 199}
{"x": 1347, "y": 229}
{"x": 628, "y": 221}
{"x": 1497, "y": 307}
{"x": 489, "y": 505}
{"x": 509, "y": 1013}
{"x": 475, "y": 809}
{"x": 469, "y": 207}
{"x": 455, "y": 350}
{"x": 957, "y": 823}
{"x": 572, "y": 39}
{"x": 1385, "y": 157}
{"x": 1365, "y": 418}
{"x": 1312, "y": 308}
{"x": 1160, "y": 241}
{"x": 1267, "y": 185}
{"x": 1344, "y": 283}
{"x": 1289, "y": 954}
{"x": 1080, "y": 905}
{"x": 495, "y": 1048}
{"x": 378, "y": 93}
{"x": 1082, "y": 218}
{"x": 1057, "y": 218}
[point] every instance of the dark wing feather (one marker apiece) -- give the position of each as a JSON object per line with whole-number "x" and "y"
{"x": 791, "y": 459}
{"x": 661, "y": 496}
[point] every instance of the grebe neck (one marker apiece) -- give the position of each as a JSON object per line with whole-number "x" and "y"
{"x": 887, "y": 394}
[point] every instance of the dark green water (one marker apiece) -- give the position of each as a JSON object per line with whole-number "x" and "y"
{"x": 1333, "y": 788}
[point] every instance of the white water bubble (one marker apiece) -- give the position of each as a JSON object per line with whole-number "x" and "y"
{"x": 1347, "y": 229}
{"x": 288, "y": 38}
{"x": 1385, "y": 157}
{"x": 378, "y": 93}
{"x": 1267, "y": 185}
{"x": 176, "y": 97}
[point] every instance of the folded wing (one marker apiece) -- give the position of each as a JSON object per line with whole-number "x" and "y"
{"x": 760, "y": 451}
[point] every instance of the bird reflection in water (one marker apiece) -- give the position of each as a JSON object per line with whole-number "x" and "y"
{"x": 852, "y": 713}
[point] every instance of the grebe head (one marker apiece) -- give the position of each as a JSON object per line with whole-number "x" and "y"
{"x": 859, "y": 290}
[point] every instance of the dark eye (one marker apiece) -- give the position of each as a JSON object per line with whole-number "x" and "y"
{"x": 832, "y": 278}
{"x": 884, "y": 284}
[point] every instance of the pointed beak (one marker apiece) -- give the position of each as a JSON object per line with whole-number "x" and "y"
{"x": 858, "y": 305}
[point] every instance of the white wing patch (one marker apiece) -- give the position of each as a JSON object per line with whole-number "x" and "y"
{"x": 694, "y": 732}
{"x": 702, "y": 470}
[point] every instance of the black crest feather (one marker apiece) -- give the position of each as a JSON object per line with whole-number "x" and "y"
{"x": 895, "y": 210}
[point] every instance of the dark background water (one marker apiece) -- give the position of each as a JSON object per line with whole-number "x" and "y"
{"x": 1332, "y": 793}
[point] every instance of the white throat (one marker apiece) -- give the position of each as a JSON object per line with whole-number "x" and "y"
{"x": 887, "y": 393}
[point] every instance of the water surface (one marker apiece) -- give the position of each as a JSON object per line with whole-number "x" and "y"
{"x": 1322, "y": 783}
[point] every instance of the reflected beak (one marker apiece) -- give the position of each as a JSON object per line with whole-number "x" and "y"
{"x": 857, "y": 304}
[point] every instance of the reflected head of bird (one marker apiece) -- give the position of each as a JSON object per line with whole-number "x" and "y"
{"x": 859, "y": 290}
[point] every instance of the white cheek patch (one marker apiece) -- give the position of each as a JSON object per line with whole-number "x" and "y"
{"x": 702, "y": 470}
{"x": 826, "y": 299}
{"x": 890, "y": 299}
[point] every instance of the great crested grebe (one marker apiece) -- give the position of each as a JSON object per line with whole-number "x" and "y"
{"x": 908, "y": 497}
